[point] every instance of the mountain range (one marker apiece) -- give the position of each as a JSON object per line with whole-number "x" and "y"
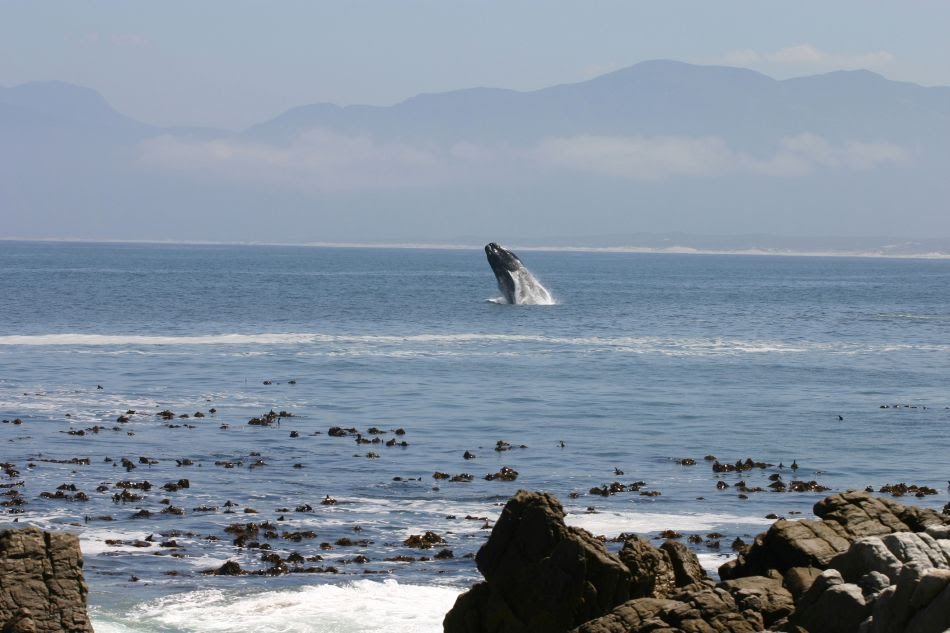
{"x": 658, "y": 147}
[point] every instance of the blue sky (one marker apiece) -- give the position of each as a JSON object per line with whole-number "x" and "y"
{"x": 234, "y": 63}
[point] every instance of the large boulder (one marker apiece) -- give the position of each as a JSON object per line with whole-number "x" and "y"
{"x": 831, "y": 605}
{"x": 541, "y": 576}
{"x": 898, "y": 582}
{"x": 41, "y": 582}
{"x": 544, "y": 577}
{"x": 888, "y": 555}
{"x": 918, "y": 603}
{"x": 844, "y": 518}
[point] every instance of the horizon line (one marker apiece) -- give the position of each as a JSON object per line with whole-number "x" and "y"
{"x": 406, "y": 245}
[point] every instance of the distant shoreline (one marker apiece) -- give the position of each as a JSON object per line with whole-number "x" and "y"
{"x": 620, "y": 249}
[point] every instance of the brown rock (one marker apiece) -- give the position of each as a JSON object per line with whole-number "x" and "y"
{"x": 685, "y": 564}
{"x": 540, "y": 575}
{"x": 918, "y": 568}
{"x": 21, "y": 622}
{"x": 799, "y": 579}
{"x": 918, "y": 600}
{"x": 846, "y": 517}
{"x": 763, "y": 595}
{"x": 699, "y": 608}
{"x": 41, "y": 582}
{"x": 831, "y": 605}
{"x": 886, "y": 570}
{"x": 631, "y": 616}
{"x": 930, "y": 603}
{"x": 888, "y": 555}
{"x": 652, "y": 575}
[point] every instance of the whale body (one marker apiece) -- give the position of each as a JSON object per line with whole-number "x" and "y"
{"x": 515, "y": 282}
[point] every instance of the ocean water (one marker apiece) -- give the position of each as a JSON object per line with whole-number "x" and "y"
{"x": 644, "y": 360}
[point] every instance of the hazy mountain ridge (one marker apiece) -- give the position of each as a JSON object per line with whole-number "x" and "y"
{"x": 660, "y": 146}
{"x": 651, "y": 98}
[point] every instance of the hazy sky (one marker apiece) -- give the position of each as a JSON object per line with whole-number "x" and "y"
{"x": 231, "y": 63}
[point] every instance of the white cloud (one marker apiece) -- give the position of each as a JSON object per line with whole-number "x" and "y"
{"x": 806, "y": 55}
{"x": 655, "y": 158}
{"x": 318, "y": 159}
{"x": 854, "y": 155}
{"x": 638, "y": 157}
{"x": 323, "y": 160}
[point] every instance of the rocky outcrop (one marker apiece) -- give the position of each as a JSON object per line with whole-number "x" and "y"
{"x": 844, "y": 518}
{"x": 41, "y": 583}
{"x": 739, "y": 606}
{"x": 896, "y": 582}
{"x": 540, "y": 575}
{"x": 698, "y": 608}
{"x": 918, "y": 603}
{"x": 868, "y": 565}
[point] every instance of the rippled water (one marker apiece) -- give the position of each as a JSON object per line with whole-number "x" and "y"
{"x": 644, "y": 360}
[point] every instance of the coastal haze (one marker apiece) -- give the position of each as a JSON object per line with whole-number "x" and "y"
{"x": 656, "y": 149}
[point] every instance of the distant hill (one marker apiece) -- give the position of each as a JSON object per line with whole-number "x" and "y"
{"x": 650, "y": 98}
{"x": 658, "y": 147}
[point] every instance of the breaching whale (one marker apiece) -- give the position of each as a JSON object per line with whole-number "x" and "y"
{"x": 516, "y": 283}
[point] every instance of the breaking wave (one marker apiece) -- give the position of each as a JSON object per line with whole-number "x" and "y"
{"x": 365, "y": 606}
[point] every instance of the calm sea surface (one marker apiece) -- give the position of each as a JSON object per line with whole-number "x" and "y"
{"x": 644, "y": 360}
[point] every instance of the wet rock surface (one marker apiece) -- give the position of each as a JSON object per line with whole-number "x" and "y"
{"x": 41, "y": 582}
{"x": 868, "y": 564}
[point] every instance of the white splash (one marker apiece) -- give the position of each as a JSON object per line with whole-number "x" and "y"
{"x": 528, "y": 290}
{"x": 612, "y": 524}
{"x": 362, "y": 606}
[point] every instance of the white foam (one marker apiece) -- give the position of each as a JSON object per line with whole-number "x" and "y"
{"x": 462, "y": 344}
{"x": 92, "y": 541}
{"x": 528, "y": 290}
{"x": 611, "y": 524}
{"x": 134, "y": 339}
{"x": 409, "y": 516}
{"x": 711, "y": 562}
{"x": 363, "y": 606}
